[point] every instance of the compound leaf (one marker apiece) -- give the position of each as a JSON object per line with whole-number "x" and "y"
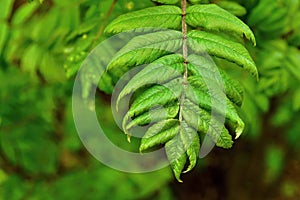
{"x": 176, "y": 98}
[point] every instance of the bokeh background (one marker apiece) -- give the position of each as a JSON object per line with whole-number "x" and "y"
{"x": 42, "y": 44}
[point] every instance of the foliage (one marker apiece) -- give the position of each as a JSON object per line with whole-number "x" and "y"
{"x": 41, "y": 154}
{"x": 43, "y": 44}
{"x": 183, "y": 91}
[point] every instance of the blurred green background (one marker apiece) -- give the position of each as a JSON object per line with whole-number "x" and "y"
{"x": 42, "y": 45}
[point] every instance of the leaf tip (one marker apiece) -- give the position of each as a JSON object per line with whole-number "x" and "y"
{"x": 108, "y": 30}
{"x": 179, "y": 179}
{"x": 239, "y": 129}
{"x": 141, "y": 152}
{"x": 142, "y": 148}
{"x": 128, "y": 138}
{"x": 238, "y": 132}
{"x": 187, "y": 170}
{"x": 253, "y": 40}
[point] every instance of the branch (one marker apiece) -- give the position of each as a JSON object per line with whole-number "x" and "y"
{"x": 101, "y": 29}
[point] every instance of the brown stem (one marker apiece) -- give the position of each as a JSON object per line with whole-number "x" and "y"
{"x": 185, "y": 57}
{"x": 101, "y": 29}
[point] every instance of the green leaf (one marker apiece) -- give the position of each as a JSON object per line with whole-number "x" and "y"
{"x": 166, "y": 1}
{"x": 203, "y": 121}
{"x": 30, "y": 146}
{"x": 106, "y": 83}
{"x": 157, "y": 95}
{"x": 229, "y": 89}
{"x": 50, "y": 70}
{"x": 176, "y": 155}
{"x": 274, "y": 163}
{"x": 292, "y": 62}
{"x": 6, "y": 6}
{"x": 232, "y": 7}
{"x": 212, "y": 17}
{"x": 191, "y": 142}
{"x": 233, "y": 89}
{"x": 145, "y": 49}
{"x": 296, "y": 102}
{"x": 151, "y": 98}
{"x": 73, "y": 63}
{"x": 198, "y": 1}
{"x": 154, "y": 17}
{"x": 259, "y": 13}
{"x": 205, "y": 69}
{"x": 159, "y": 133}
{"x": 32, "y": 59}
{"x": 16, "y": 182}
{"x": 23, "y": 13}
{"x": 3, "y": 177}
{"x": 215, "y": 45}
{"x": 202, "y": 96}
{"x": 158, "y": 72}
{"x": 273, "y": 18}
{"x": 185, "y": 144}
{"x": 155, "y": 115}
{"x": 4, "y": 30}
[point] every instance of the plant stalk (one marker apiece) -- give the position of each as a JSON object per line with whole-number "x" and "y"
{"x": 101, "y": 29}
{"x": 185, "y": 57}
